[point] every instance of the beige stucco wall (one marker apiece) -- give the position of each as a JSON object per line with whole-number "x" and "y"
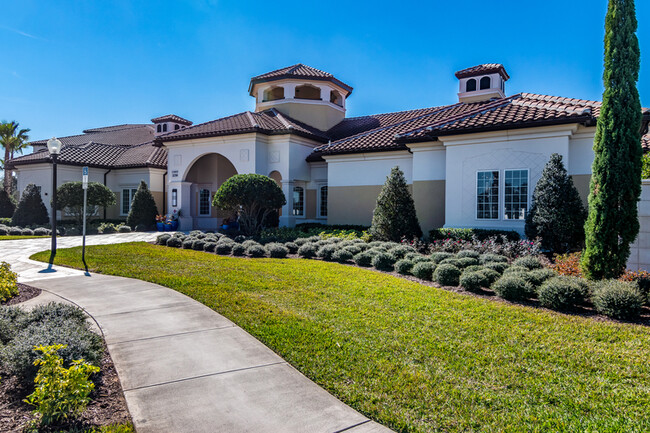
{"x": 319, "y": 116}
{"x": 429, "y": 198}
{"x": 581, "y": 182}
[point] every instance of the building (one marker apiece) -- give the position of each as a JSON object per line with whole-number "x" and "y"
{"x": 470, "y": 164}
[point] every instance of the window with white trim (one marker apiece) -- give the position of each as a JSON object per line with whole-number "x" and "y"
{"x": 127, "y": 199}
{"x": 487, "y": 195}
{"x": 515, "y": 194}
{"x": 298, "y": 201}
{"x": 174, "y": 197}
{"x": 204, "y": 202}
{"x": 323, "y": 201}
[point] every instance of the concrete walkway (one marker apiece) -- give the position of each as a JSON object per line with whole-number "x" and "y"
{"x": 183, "y": 367}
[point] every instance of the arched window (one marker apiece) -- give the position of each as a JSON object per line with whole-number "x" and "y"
{"x": 165, "y": 127}
{"x": 273, "y": 94}
{"x": 485, "y": 83}
{"x": 471, "y": 85}
{"x": 158, "y": 128}
{"x": 298, "y": 201}
{"x": 307, "y": 92}
{"x": 336, "y": 98}
{"x": 176, "y": 127}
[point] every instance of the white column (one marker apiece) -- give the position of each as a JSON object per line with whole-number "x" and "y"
{"x": 289, "y": 90}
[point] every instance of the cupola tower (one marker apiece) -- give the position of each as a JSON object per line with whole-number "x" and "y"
{"x": 482, "y": 82}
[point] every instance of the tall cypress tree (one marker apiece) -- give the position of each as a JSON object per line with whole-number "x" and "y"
{"x": 612, "y": 224}
{"x": 394, "y": 215}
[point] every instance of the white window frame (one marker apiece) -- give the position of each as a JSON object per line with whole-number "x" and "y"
{"x": 499, "y": 192}
{"x": 304, "y": 201}
{"x": 132, "y": 191}
{"x": 175, "y": 197}
{"x": 209, "y": 213}
{"x": 528, "y": 197}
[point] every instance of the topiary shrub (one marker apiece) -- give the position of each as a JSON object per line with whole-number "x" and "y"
{"x": 292, "y": 247}
{"x": 123, "y": 229}
{"x": 277, "y": 250}
{"x": 174, "y": 242}
{"x": 473, "y": 281}
{"x": 383, "y": 262}
{"x": 187, "y": 243}
{"x": 27, "y": 232}
{"x": 363, "y": 259}
{"x": 4, "y": 230}
{"x": 496, "y": 266}
{"x": 492, "y": 258}
{"x": 224, "y": 248}
{"x": 446, "y": 275}
{"x": 7, "y": 206}
{"x": 143, "y": 211}
{"x": 353, "y": 249}
{"x": 238, "y": 250}
{"x": 400, "y": 251}
{"x": 562, "y": 293}
{"x": 528, "y": 262}
{"x": 464, "y": 262}
{"x": 209, "y": 247}
{"x": 326, "y": 251}
{"x": 42, "y": 231}
{"x": 162, "y": 239}
{"x": 451, "y": 261}
{"x": 468, "y": 253}
{"x": 538, "y": 276}
{"x": 256, "y": 251}
{"x": 342, "y": 256}
{"x": 404, "y": 266}
{"x": 515, "y": 270}
{"x": 617, "y": 299}
{"x": 15, "y": 231}
{"x": 240, "y": 239}
{"x": 30, "y": 210}
{"x": 308, "y": 250}
{"x": 423, "y": 270}
{"x": 473, "y": 268}
{"x": 198, "y": 245}
{"x": 249, "y": 243}
{"x": 512, "y": 287}
{"x": 491, "y": 275}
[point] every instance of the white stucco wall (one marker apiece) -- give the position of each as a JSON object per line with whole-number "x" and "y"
{"x": 367, "y": 168}
{"x": 640, "y": 250}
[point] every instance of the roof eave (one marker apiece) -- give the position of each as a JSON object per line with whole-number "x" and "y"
{"x": 160, "y": 141}
{"x": 336, "y": 81}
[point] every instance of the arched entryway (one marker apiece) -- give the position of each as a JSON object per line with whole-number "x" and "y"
{"x": 204, "y": 178}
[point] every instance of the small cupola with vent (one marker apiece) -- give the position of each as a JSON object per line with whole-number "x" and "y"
{"x": 169, "y": 123}
{"x": 482, "y": 82}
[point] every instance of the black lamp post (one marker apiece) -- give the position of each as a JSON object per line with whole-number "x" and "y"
{"x": 54, "y": 147}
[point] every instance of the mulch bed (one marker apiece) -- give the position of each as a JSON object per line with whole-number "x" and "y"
{"x": 108, "y": 405}
{"x": 25, "y": 293}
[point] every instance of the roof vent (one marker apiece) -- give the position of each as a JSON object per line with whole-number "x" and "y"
{"x": 482, "y": 83}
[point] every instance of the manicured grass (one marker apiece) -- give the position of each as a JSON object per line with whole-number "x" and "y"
{"x": 13, "y": 238}
{"x": 413, "y": 357}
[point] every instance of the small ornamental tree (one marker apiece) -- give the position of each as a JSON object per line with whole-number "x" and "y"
{"x": 143, "y": 208}
{"x": 31, "y": 209}
{"x": 557, "y": 214}
{"x": 615, "y": 187}
{"x": 7, "y": 206}
{"x": 70, "y": 196}
{"x": 394, "y": 216}
{"x": 252, "y": 196}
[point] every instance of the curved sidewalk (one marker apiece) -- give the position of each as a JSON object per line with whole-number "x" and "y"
{"x": 183, "y": 367}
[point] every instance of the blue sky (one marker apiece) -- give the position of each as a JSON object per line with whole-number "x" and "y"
{"x": 73, "y": 65}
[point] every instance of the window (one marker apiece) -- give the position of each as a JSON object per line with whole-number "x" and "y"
{"x": 158, "y": 128}
{"x": 336, "y": 98}
{"x": 204, "y": 202}
{"x": 298, "y": 201}
{"x": 516, "y": 194}
{"x": 307, "y": 92}
{"x": 164, "y": 127}
{"x": 127, "y": 198}
{"x": 273, "y": 94}
{"x": 323, "y": 201}
{"x": 176, "y": 127}
{"x": 471, "y": 85}
{"x": 174, "y": 197}
{"x": 485, "y": 83}
{"x": 487, "y": 195}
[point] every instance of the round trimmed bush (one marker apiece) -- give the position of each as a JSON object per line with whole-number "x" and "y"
{"x": 473, "y": 268}
{"x": 618, "y": 299}
{"x": 326, "y": 251}
{"x": 440, "y": 256}
{"x": 492, "y": 258}
{"x": 383, "y": 262}
{"x": 342, "y": 256}
{"x": 42, "y": 231}
{"x": 446, "y": 275}
{"x": 400, "y": 251}
{"x": 528, "y": 262}
{"x": 468, "y": 253}
{"x": 404, "y": 266}
{"x": 27, "y": 232}
{"x": 301, "y": 241}
{"x": 515, "y": 270}
{"x": 210, "y": 247}
{"x": 451, "y": 261}
{"x": 240, "y": 239}
{"x": 238, "y": 250}
{"x": 123, "y": 229}
{"x": 497, "y": 266}
{"x": 423, "y": 270}
{"x": 473, "y": 281}
{"x": 223, "y": 248}
{"x": 15, "y": 231}
{"x": 353, "y": 249}
{"x": 174, "y": 242}
{"x": 249, "y": 243}
{"x": 538, "y": 276}
{"x": 464, "y": 262}
{"x": 187, "y": 243}
{"x": 512, "y": 287}
{"x": 292, "y": 247}
{"x": 562, "y": 292}
{"x": 198, "y": 245}
{"x": 363, "y": 259}
{"x": 256, "y": 251}
{"x": 162, "y": 239}
{"x": 227, "y": 240}
{"x": 308, "y": 250}
{"x": 491, "y": 275}
{"x": 4, "y": 230}
{"x": 277, "y": 250}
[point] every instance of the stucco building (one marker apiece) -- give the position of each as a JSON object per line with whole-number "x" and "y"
{"x": 474, "y": 163}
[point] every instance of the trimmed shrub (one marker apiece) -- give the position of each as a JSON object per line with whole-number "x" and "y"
{"x": 562, "y": 293}
{"x": 301, "y": 241}
{"x": 451, "y": 261}
{"x": 473, "y": 281}
{"x": 363, "y": 259}
{"x": 492, "y": 258}
{"x": 496, "y": 266}
{"x": 400, "y": 251}
{"x": 538, "y": 276}
{"x": 187, "y": 243}
{"x": 240, "y": 239}
{"x": 7, "y": 206}
{"x": 466, "y": 261}
{"x": 618, "y": 299}
{"x": 15, "y": 231}
{"x": 123, "y": 229}
{"x": 353, "y": 249}
{"x": 512, "y": 287}
{"x": 342, "y": 256}
{"x": 423, "y": 270}
{"x": 473, "y": 268}
{"x": 326, "y": 251}
{"x": 238, "y": 250}
{"x": 528, "y": 262}
{"x": 292, "y": 247}
{"x": 383, "y": 262}
{"x": 446, "y": 275}
{"x": 209, "y": 247}
{"x": 515, "y": 270}
{"x": 27, "y": 232}
{"x": 12, "y": 320}
{"x": 224, "y": 248}
{"x": 227, "y": 240}
{"x": 248, "y": 243}
{"x": 277, "y": 250}
{"x": 308, "y": 250}
{"x": 31, "y": 210}
{"x": 42, "y": 231}
{"x": 198, "y": 245}
{"x": 4, "y": 230}
{"x": 440, "y": 256}
{"x": 468, "y": 253}
{"x": 491, "y": 275}
{"x": 404, "y": 266}
{"x": 143, "y": 211}
{"x": 256, "y": 251}
{"x": 174, "y": 242}
{"x": 162, "y": 239}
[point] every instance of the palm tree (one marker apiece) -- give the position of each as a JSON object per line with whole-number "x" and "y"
{"x": 12, "y": 140}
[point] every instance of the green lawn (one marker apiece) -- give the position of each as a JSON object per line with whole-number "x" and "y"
{"x": 413, "y": 357}
{"x": 13, "y": 238}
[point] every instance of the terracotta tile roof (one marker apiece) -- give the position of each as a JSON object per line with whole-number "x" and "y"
{"x": 297, "y": 71}
{"x": 128, "y": 135}
{"x": 171, "y": 118}
{"x": 269, "y": 122}
{"x": 486, "y": 68}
